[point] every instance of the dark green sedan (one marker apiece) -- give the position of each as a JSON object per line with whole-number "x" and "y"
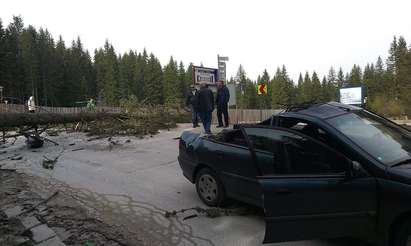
{"x": 321, "y": 170}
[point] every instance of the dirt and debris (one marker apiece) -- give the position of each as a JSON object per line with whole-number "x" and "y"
{"x": 49, "y": 163}
{"x": 212, "y": 212}
{"x": 69, "y": 221}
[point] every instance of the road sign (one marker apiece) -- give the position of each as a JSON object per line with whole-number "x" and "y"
{"x": 231, "y": 89}
{"x": 352, "y": 95}
{"x": 262, "y": 89}
{"x": 222, "y": 67}
{"x": 223, "y": 58}
{"x": 205, "y": 75}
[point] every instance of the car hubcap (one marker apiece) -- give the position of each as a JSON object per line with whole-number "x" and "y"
{"x": 207, "y": 186}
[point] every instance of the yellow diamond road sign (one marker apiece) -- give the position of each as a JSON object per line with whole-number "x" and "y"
{"x": 261, "y": 89}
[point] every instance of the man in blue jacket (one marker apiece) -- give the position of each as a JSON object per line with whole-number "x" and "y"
{"x": 223, "y": 96}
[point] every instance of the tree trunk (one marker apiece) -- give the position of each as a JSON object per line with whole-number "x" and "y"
{"x": 29, "y": 119}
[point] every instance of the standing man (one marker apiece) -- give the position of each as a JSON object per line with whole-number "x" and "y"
{"x": 223, "y": 96}
{"x": 31, "y": 105}
{"x": 205, "y": 106}
{"x": 91, "y": 106}
{"x": 192, "y": 102}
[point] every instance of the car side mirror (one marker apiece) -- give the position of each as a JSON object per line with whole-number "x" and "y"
{"x": 354, "y": 169}
{"x": 356, "y": 166}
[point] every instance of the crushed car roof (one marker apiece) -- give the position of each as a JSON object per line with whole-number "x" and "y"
{"x": 320, "y": 110}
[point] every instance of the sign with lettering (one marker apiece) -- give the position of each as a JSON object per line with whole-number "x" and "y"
{"x": 205, "y": 75}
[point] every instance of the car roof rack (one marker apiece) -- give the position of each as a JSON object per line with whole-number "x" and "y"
{"x": 301, "y": 106}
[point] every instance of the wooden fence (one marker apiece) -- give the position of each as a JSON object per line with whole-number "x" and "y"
{"x": 247, "y": 115}
{"x": 236, "y": 116}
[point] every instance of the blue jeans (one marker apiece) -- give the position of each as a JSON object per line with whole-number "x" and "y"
{"x": 206, "y": 119}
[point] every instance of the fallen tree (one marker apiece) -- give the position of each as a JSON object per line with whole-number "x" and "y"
{"x": 30, "y": 119}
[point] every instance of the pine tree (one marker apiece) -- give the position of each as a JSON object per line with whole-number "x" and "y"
{"x": 306, "y": 89}
{"x": 189, "y": 75}
{"x": 29, "y": 61}
{"x": 171, "y": 88}
{"x": 282, "y": 92}
{"x": 15, "y": 74}
{"x": 45, "y": 50}
{"x": 300, "y": 92}
{"x": 250, "y": 94}
{"x": 59, "y": 75}
{"x": 106, "y": 68}
{"x": 154, "y": 82}
{"x": 332, "y": 85}
{"x": 340, "y": 79}
{"x": 138, "y": 89}
{"x": 355, "y": 77}
{"x": 2, "y": 53}
{"x": 127, "y": 74}
{"x": 316, "y": 91}
{"x": 403, "y": 72}
{"x": 182, "y": 80}
{"x": 369, "y": 80}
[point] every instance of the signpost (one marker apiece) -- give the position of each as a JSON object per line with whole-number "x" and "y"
{"x": 352, "y": 96}
{"x": 222, "y": 75}
{"x": 261, "y": 91}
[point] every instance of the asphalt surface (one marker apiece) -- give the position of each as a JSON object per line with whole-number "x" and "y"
{"x": 132, "y": 183}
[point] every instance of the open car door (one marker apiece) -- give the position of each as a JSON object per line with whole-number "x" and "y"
{"x": 310, "y": 193}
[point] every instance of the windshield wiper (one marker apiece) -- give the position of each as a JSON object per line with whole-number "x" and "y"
{"x": 406, "y": 161}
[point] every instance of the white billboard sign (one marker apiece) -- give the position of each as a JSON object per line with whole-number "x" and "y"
{"x": 351, "y": 96}
{"x": 205, "y": 75}
{"x": 231, "y": 89}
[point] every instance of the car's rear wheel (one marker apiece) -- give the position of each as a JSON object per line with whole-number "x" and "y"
{"x": 210, "y": 188}
{"x": 402, "y": 235}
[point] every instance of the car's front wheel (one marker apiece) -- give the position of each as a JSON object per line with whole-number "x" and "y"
{"x": 402, "y": 235}
{"x": 209, "y": 188}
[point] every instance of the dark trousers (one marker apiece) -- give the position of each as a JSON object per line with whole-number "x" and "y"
{"x": 194, "y": 116}
{"x": 206, "y": 119}
{"x": 222, "y": 110}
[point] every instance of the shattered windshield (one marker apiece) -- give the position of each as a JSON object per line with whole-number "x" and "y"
{"x": 384, "y": 140}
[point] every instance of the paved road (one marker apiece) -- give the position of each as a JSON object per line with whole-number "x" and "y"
{"x": 131, "y": 184}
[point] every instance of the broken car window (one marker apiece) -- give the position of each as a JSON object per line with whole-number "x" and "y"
{"x": 305, "y": 156}
{"x": 263, "y": 139}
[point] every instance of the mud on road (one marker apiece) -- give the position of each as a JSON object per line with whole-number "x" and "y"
{"x": 77, "y": 215}
{"x": 81, "y": 214}
{"x": 61, "y": 213}
{"x": 117, "y": 191}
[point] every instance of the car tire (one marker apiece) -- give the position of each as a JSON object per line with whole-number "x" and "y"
{"x": 402, "y": 234}
{"x": 210, "y": 188}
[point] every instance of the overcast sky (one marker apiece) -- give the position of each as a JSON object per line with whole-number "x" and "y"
{"x": 305, "y": 35}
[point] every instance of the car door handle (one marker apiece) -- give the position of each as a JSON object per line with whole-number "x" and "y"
{"x": 282, "y": 191}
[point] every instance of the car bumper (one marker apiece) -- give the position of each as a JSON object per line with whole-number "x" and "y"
{"x": 188, "y": 168}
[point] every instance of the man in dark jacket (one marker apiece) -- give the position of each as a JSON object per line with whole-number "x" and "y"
{"x": 192, "y": 102}
{"x": 205, "y": 106}
{"x": 223, "y": 96}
